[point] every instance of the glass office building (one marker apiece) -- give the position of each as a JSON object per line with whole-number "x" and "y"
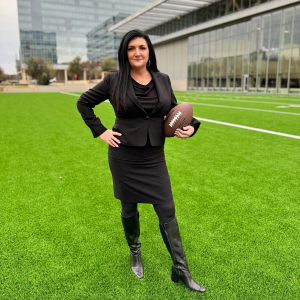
{"x": 57, "y": 29}
{"x": 38, "y": 43}
{"x": 101, "y": 43}
{"x": 224, "y": 45}
{"x": 258, "y": 55}
{"x": 213, "y": 10}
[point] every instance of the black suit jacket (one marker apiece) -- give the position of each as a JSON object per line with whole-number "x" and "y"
{"x": 134, "y": 124}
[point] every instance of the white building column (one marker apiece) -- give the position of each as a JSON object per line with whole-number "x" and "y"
{"x": 23, "y": 75}
{"x": 66, "y": 75}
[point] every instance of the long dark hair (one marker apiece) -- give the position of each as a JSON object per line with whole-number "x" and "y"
{"x": 119, "y": 87}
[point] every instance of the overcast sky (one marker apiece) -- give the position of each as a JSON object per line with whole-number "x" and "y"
{"x": 9, "y": 35}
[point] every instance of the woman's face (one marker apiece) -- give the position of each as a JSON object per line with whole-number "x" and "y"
{"x": 138, "y": 52}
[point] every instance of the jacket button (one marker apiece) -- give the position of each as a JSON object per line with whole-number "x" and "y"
{"x": 147, "y": 117}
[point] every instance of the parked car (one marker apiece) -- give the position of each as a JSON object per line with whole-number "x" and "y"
{"x": 53, "y": 80}
{"x": 33, "y": 81}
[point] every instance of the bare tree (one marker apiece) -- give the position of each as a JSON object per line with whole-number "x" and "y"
{"x": 92, "y": 67}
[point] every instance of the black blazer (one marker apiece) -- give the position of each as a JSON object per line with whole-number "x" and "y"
{"x": 134, "y": 124}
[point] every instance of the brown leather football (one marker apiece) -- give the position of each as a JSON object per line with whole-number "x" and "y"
{"x": 179, "y": 116}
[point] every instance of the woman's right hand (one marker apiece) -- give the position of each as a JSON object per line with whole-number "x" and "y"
{"x": 108, "y": 136}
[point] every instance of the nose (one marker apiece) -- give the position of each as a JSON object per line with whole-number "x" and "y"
{"x": 137, "y": 52}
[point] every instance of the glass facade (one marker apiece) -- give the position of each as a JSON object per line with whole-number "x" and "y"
{"x": 213, "y": 11}
{"x": 57, "y": 29}
{"x": 259, "y": 55}
{"x": 101, "y": 43}
{"x": 39, "y": 43}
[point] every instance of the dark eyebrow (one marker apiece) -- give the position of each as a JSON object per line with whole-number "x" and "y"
{"x": 139, "y": 46}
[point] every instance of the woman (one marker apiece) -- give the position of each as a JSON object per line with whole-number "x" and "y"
{"x": 141, "y": 96}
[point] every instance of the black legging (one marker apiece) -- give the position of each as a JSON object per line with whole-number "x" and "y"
{"x": 165, "y": 212}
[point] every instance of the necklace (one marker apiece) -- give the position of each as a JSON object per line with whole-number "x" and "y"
{"x": 140, "y": 82}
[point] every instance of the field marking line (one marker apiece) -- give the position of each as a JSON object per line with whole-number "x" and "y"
{"x": 248, "y": 101}
{"x": 250, "y": 128}
{"x": 70, "y": 94}
{"x": 214, "y": 104}
{"x": 228, "y": 124}
{"x": 282, "y": 98}
{"x": 245, "y": 108}
{"x": 76, "y": 95}
{"x": 288, "y": 106}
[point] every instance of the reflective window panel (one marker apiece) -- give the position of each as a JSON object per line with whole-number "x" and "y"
{"x": 263, "y": 52}
{"x": 204, "y": 14}
{"x": 60, "y": 30}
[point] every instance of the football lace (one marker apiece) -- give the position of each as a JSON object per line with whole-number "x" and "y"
{"x": 175, "y": 118}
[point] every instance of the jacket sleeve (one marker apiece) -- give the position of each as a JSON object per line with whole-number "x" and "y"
{"x": 195, "y": 123}
{"x": 89, "y": 100}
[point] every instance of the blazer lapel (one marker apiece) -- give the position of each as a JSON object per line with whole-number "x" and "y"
{"x": 159, "y": 89}
{"x": 132, "y": 96}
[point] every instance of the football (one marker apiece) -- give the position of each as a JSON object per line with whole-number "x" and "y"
{"x": 178, "y": 117}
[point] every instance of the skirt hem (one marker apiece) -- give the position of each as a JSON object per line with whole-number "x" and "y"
{"x": 170, "y": 200}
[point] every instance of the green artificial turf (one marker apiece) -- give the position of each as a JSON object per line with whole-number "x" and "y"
{"x": 236, "y": 193}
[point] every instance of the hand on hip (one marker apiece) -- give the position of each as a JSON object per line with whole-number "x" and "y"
{"x": 108, "y": 136}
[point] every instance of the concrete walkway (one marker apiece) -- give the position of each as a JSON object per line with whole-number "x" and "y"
{"x": 25, "y": 90}
{"x": 57, "y": 87}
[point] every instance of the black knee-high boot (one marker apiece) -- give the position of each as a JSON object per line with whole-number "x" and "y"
{"x": 132, "y": 232}
{"x": 180, "y": 270}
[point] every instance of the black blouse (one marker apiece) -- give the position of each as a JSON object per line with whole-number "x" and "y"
{"x": 146, "y": 95}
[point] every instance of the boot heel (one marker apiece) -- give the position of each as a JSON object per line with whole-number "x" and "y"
{"x": 175, "y": 278}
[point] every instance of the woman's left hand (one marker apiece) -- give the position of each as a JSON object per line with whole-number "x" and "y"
{"x": 184, "y": 134}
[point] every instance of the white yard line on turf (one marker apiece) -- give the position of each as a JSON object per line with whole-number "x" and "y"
{"x": 232, "y": 100}
{"x": 288, "y": 98}
{"x": 288, "y": 106}
{"x": 245, "y": 108}
{"x": 250, "y": 128}
{"x": 228, "y": 124}
{"x": 70, "y": 94}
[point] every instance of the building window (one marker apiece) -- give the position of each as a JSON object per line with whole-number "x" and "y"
{"x": 265, "y": 50}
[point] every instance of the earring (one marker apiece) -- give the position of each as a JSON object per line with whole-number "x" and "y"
{"x": 149, "y": 63}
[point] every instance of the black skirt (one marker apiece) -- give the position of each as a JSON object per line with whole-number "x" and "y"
{"x": 140, "y": 174}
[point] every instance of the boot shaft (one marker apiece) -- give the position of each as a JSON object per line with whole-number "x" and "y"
{"x": 180, "y": 270}
{"x": 131, "y": 227}
{"x": 172, "y": 239}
